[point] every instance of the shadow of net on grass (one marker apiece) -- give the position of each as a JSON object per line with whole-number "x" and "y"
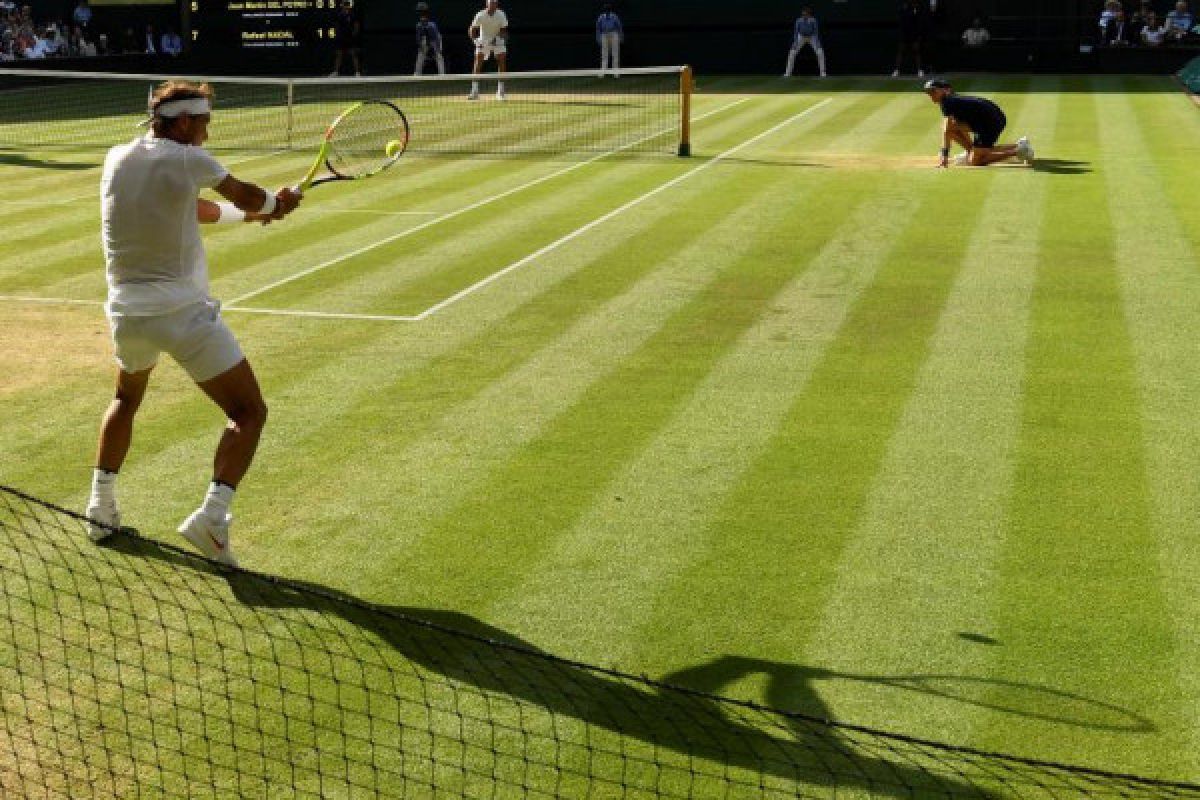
{"x": 137, "y": 670}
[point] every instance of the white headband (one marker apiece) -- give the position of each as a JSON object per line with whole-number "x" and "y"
{"x": 191, "y": 105}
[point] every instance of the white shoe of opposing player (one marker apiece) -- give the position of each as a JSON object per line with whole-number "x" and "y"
{"x": 210, "y": 536}
{"x": 962, "y": 159}
{"x": 109, "y": 518}
{"x": 1025, "y": 150}
{"x": 500, "y": 95}
{"x": 474, "y": 95}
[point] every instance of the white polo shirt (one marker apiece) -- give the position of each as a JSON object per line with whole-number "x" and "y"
{"x": 490, "y": 25}
{"x": 154, "y": 258}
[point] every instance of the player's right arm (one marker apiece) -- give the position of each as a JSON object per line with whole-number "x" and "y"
{"x": 250, "y": 198}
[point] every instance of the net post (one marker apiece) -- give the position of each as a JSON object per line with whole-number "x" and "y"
{"x": 291, "y": 96}
{"x": 686, "y": 84}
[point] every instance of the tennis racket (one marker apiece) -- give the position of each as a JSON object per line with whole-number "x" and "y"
{"x": 356, "y": 144}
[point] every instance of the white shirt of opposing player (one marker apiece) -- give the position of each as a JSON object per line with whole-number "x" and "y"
{"x": 153, "y": 254}
{"x": 490, "y": 25}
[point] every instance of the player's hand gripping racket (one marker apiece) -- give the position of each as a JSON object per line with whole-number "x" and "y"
{"x": 364, "y": 140}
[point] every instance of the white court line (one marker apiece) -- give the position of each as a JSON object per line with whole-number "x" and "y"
{"x": 454, "y": 298}
{"x": 374, "y": 211}
{"x": 459, "y": 212}
{"x": 59, "y": 301}
{"x": 286, "y": 312}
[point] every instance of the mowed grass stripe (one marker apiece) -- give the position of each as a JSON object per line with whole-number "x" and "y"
{"x": 588, "y": 595}
{"x": 1160, "y": 288}
{"x": 1079, "y": 605}
{"x": 1169, "y": 121}
{"x": 921, "y": 566}
{"x": 597, "y": 419}
{"x": 778, "y": 536}
{"x": 604, "y": 573}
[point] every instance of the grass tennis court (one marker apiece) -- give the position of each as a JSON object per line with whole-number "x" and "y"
{"x": 800, "y": 420}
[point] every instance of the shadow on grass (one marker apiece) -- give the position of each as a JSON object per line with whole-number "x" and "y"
{"x": 20, "y": 159}
{"x": 674, "y": 738}
{"x": 1059, "y": 166}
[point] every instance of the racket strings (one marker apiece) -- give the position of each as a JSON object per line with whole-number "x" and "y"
{"x": 360, "y": 139}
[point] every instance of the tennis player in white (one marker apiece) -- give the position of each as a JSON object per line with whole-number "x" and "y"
{"x": 489, "y": 31}
{"x": 158, "y": 298}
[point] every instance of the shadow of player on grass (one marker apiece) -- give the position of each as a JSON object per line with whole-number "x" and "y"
{"x": 673, "y": 737}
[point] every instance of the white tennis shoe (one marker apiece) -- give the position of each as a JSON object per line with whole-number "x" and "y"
{"x": 500, "y": 95}
{"x": 962, "y": 159}
{"x": 103, "y": 518}
{"x": 474, "y": 95}
{"x": 1025, "y": 150}
{"x": 210, "y": 536}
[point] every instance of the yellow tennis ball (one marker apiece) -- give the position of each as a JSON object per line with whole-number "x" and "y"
{"x": 392, "y": 148}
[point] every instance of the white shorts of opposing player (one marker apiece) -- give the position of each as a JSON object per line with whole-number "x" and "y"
{"x": 490, "y": 47}
{"x": 610, "y": 50}
{"x": 812, "y": 41}
{"x": 424, "y": 52}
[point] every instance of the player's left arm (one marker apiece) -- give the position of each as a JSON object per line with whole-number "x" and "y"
{"x": 947, "y": 138}
{"x": 208, "y": 212}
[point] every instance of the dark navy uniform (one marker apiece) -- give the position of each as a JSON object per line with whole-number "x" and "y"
{"x": 982, "y": 116}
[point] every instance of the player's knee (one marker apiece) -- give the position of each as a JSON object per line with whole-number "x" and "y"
{"x": 251, "y": 415}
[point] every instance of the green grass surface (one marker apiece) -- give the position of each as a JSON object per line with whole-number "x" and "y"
{"x": 923, "y": 443}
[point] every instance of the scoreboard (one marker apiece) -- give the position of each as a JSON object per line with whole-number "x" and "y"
{"x": 260, "y": 24}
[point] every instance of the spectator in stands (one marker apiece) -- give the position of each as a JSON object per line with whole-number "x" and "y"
{"x": 82, "y": 14}
{"x": 489, "y": 31}
{"x": 429, "y": 41}
{"x": 913, "y": 28}
{"x": 1116, "y": 31}
{"x": 1179, "y": 22}
{"x": 87, "y": 48}
{"x": 6, "y": 47}
{"x": 150, "y": 40}
{"x": 976, "y": 36}
{"x": 1152, "y": 33}
{"x": 73, "y": 41}
{"x": 609, "y": 35}
{"x": 1110, "y": 11}
{"x": 171, "y": 43}
{"x": 805, "y": 32}
{"x": 347, "y": 28}
{"x": 37, "y": 50}
{"x": 102, "y": 44}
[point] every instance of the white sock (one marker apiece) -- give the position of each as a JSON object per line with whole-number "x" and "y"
{"x": 475, "y": 87}
{"x": 500, "y": 86}
{"x": 104, "y": 487}
{"x": 216, "y": 502}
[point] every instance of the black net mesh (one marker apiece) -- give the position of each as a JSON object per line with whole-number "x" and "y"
{"x": 132, "y": 669}
{"x": 548, "y": 112}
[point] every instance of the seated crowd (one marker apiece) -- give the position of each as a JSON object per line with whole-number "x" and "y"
{"x": 26, "y": 36}
{"x": 1146, "y": 27}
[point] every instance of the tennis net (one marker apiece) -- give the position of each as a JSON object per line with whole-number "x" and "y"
{"x": 134, "y": 669}
{"x": 542, "y": 112}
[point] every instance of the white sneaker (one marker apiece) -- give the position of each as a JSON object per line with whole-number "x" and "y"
{"x": 501, "y": 96}
{"x": 103, "y": 520}
{"x": 962, "y": 159}
{"x": 1025, "y": 150}
{"x": 210, "y": 536}
{"x": 474, "y": 95}
{"x": 895, "y": 73}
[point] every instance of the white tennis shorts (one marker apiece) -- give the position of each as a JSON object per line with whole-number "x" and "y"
{"x": 495, "y": 47}
{"x": 195, "y": 336}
